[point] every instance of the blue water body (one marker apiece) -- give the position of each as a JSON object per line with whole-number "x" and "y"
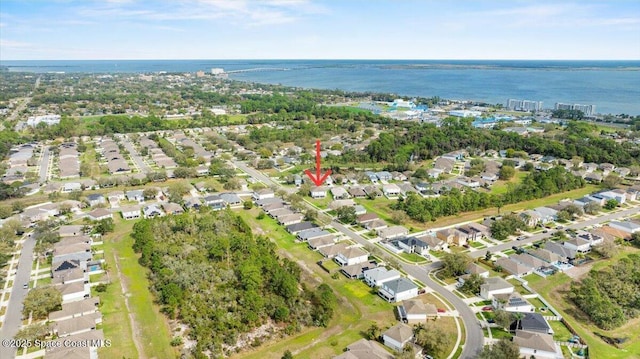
{"x": 613, "y": 86}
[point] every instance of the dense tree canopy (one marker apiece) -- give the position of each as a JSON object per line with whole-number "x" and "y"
{"x": 209, "y": 271}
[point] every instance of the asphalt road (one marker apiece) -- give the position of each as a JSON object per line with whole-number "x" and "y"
{"x": 44, "y": 164}
{"x": 13, "y": 317}
{"x": 539, "y": 236}
{"x": 474, "y": 338}
{"x": 135, "y": 156}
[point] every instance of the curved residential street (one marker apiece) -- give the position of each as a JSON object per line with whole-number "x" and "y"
{"x": 474, "y": 338}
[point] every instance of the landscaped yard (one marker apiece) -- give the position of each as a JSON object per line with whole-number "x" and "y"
{"x": 498, "y": 333}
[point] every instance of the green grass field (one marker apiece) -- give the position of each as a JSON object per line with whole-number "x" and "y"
{"x": 152, "y": 329}
{"x": 555, "y": 288}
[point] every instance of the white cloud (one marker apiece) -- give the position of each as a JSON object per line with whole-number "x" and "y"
{"x": 14, "y": 44}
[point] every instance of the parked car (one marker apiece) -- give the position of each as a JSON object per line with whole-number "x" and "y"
{"x": 487, "y": 308}
{"x": 545, "y": 231}
{"x": 25, "y": 286}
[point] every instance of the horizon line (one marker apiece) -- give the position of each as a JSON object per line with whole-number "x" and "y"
{"x": 318, "y": 59}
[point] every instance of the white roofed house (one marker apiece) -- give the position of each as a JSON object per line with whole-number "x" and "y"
{"x": 351, "y": 255}
{"x": 263, "y": 194}
{"x": 538, "y": 345}
{"x": 152, "y": 210}
{"x": 130, "y": 212}
{"x": 135, "y": 195}
{"x": 376, "y": 276}
{"x": 415, "y": 311}
{"x": 493, "y": 286}
{"x": 578, "y": 244}
{"x": 397, "y": 290}
{"x": 96, "y": 199}
{"x": 290, "y": 219}
{"x": 391, "y": 190}
{"x": 412, "y": 245}
{"x": 625, "y": 226}
{"x": 511, "y": 302}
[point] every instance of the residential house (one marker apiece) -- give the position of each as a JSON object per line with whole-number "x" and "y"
{"x": 76, "y": 309}
{"x": 423, "y": 187}
{"x": 99, "y": 214}
{"x": 152, "y": 211}
{"x": 73, "y": 291}
{"x": 172, "y": 208}
{"x": 372, "y": 191}
{"x": 215, "y": 202}
{"x": 355, "y": 271}
{"x": 566, "y": 255}
{"x": 321, "y": 242}
{"x": 368, "y": 217}
{"x": 310, "y": 233}
{"x": 339, "y": 193}
{"x": 376, "y": 276}
{"x": 444, "y": 164}
{"x": 433, "y": 242}
{"x": 413, "y": 311}
{"x": 365, "y": 349}
{"x": 545, "y": 255}
{"x": 511, "y": 302}
{"x": 351, "y": 255}
{"x": 77, "y": 325}
{"x": 75, "y": 251}
{"x": 538, "y": 345}
{"x": 398, "y": 289}
{"x": 341, "y": 203}
{"x": 546, "y": 214}
{"x": 71, "y": 230}
{"x": 473, "y": 268}
{"x": 384, "y": 176}
{"x": 372, "y": 176}
{"x": 318, "y": 192}
{"x": 264, "y": 193}
{"x": 514, "y": 267}
{"x": 357, "y": 192}
{"x": 96, "y": 200}
{"x": 594, "y": 177}
{"x": 473, "y": 231}
{"x": 130, "y": 212}
{"x": 332, "y": 251}
{"x": 290, "y": 219}
{"x": 360, "y": 210}
{"x": 69, "y": 276}
{"x": 392, "y": 232}
{"x": 618, "y": 196}
{"x": 531, "y": 322}
{"x": 193, "y": 203}
{"x": 135, "y": 196}
{"x": 412, "y": 245}
{"x": 398, "y": 336}
{"x": 391, "y": 190}
{"x": 578, "y": 244}
{"x": 493, "y": 286}
{"x": 375, "y": 225}
{"x": 299, "y": 227}
{"x": 529, "y": 261}
{"x": 231, "y": 199}
{"x": 630, "y": 227}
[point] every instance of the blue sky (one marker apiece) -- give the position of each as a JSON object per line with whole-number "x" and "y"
{"x": 319, "y": 29}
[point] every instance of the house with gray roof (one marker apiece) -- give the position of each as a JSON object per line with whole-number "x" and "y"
{"x": 314, "y": 232}
{"x": 538, "y": 345}
{"x": 398, "y": 336}
{"x": 376, "y": 276}
{"x": 398, "y": 290}
{"x": 299, "y": 227}
{"x": 532, "y": 322}
{"x": 493, "y": 286}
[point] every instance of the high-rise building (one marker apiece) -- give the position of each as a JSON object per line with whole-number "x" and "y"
{"x": 588, "y": 110}
{"x": 524, "y": 105}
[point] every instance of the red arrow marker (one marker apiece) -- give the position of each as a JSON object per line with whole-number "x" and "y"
{"x": 318, "y": 178}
